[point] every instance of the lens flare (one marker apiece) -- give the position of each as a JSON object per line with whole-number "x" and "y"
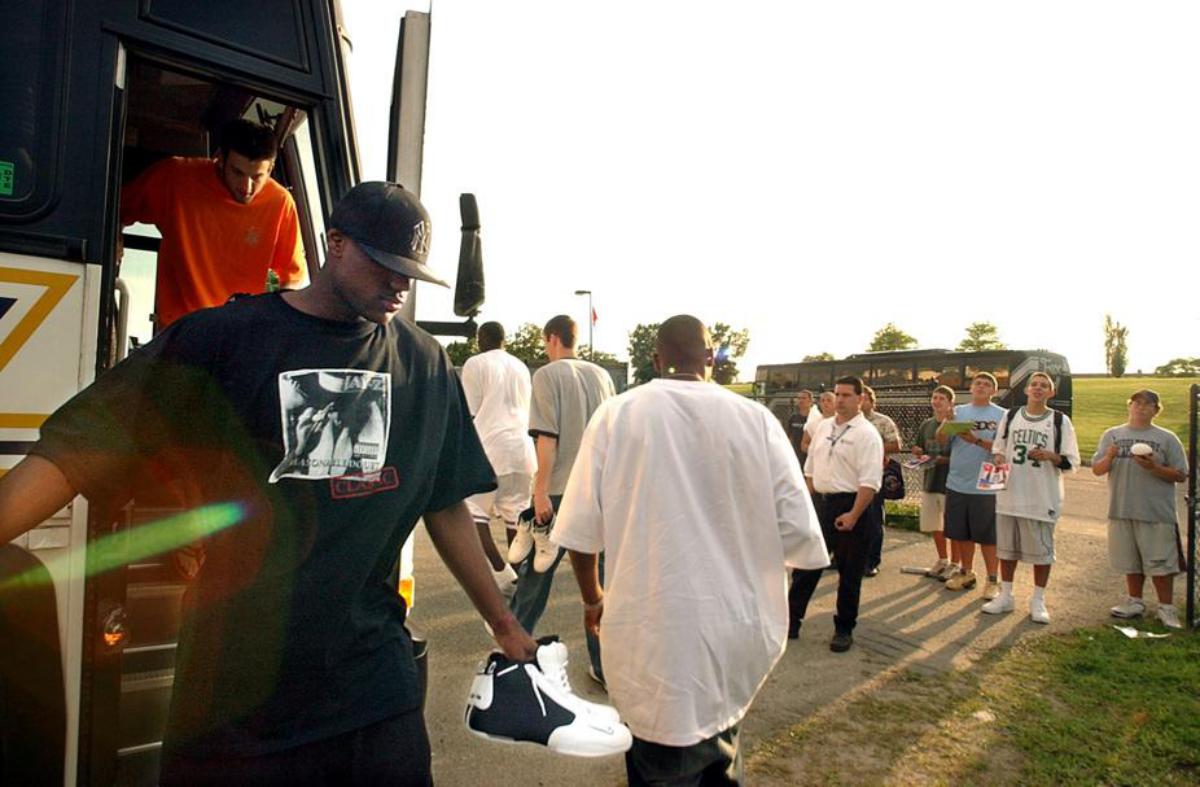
{"x": 130, "y": 546}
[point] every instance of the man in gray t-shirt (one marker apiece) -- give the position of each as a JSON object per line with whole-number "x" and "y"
{"x": 1143, "y": 462}
{"x": 566, "y": 392}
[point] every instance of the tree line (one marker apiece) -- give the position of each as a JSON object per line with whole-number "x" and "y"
{"x": 526, "y": 344}
{"x": 731, "y": 344}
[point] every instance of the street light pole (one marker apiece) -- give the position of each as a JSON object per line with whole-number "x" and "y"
{"x": 591, "y": 324}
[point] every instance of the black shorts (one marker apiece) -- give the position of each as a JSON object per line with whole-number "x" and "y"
{"x": 971, "y": 517}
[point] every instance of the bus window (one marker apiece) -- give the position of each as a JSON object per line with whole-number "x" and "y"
{"x": 997, "y": 367}
{"x": 301, "y": 167}
{"x": 815, "y": 377}
{"x": 781, "y": 378}
{"x": 30, "y": 91}
{"x": 139, "y": 267}
{"x": 892, "y": 374}
{"x": 857, "y": 369}
{"x": 950, "y": 374}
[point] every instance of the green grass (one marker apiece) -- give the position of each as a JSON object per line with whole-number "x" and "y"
{"x": 903, "y": 515}
{"x": 1089, "y": 707}
{"x": 1100, "y": 402}
{"x": 1109, "y": 710}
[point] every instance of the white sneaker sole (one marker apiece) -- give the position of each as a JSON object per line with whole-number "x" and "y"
{"x": 564, "y": 741}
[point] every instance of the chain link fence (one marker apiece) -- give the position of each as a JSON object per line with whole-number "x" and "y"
{"x": 907, "y": 407}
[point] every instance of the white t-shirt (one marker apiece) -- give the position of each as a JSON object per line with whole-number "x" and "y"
{"x": 1034, "y": 489}
{"x": 843, "y": 457}
{"x": 497, "y": 388}
{"x": 695, "y": 495}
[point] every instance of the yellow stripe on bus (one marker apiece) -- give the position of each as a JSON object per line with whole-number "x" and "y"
{"x": 56, "y": 285}
{"x": 22, "y": 420}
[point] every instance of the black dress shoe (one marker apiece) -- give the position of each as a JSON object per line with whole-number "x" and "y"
{"x": 841, "y": 642}
{"x": 873, "y": 571}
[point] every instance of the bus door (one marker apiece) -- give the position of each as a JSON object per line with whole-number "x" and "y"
{"x": 173, "y": 107}
{"x": 171, "y": 111}
{"x": 143, "y": 81}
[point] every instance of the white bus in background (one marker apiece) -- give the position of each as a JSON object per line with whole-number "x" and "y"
{"x": 93, "y": 93}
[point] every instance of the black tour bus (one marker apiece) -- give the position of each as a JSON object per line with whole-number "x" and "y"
{"x": 903, "y": 379}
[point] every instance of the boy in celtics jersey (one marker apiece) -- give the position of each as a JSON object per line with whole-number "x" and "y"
{"x": 1038, "y": 444}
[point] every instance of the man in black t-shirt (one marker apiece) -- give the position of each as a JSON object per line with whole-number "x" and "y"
{"x": 322, "y": 428}
{"x": 802, "y": 407}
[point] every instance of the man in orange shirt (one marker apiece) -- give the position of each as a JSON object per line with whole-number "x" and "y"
{"x": 224, "y": 222}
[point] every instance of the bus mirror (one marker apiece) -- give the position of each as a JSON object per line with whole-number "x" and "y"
{"x": 468, "y": 289}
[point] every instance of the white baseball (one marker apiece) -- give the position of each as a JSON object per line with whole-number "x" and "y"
{"x": 1140, "y": 449}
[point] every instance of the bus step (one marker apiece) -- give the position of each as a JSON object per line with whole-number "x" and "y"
{"x": 137, "y": 766}
{"x": 145, "y": 697}
{"x": 153, "y": 611}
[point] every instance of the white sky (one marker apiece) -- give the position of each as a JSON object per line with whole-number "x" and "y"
{"x": 811, "y": 171}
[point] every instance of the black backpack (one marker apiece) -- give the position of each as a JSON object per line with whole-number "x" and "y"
{"x": 1065, "y": 464}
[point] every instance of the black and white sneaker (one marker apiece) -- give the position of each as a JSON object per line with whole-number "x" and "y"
{"x": 515, "y": 701}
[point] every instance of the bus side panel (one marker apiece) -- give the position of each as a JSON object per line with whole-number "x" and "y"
{"x": 48, "y": 320}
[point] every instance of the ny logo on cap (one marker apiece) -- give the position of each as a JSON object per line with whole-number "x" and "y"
{"x": 420, "y": 239}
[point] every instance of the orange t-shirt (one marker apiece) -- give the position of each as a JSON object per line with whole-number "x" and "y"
{"x": 212, "y": 245}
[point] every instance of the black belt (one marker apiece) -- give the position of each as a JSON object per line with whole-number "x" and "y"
{"x": 831, "y": 495}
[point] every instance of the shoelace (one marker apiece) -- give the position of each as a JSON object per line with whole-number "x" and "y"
{"x": 559, "y": 676}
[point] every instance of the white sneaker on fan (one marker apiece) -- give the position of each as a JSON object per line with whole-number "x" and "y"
{"x": 532, "y": 701}
{"x": 522, "y": 542}
{"x": 545, "y": 552}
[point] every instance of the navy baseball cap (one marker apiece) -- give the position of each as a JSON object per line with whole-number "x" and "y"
{"x": 390, "y": 225}
{"x": 1146, "y": 395}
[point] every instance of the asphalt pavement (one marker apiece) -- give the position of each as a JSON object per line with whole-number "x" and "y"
{"x": 906, "y": 621}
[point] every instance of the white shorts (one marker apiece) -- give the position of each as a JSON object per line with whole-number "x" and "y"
{"x": 933, "y": 512}
{"x": 1150, "y": 548}
{"x": 505, "y": 502}
{"x": 1025, "y": 540}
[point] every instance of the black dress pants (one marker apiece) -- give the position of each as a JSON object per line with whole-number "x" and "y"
{"x": 850, "y": 550}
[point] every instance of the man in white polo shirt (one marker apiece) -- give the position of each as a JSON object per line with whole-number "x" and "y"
{"x": 497, "y": 388}
{"x": 844, "y": 471}
{"x": 696, "y": 498}
{"x": 825, "y": 407}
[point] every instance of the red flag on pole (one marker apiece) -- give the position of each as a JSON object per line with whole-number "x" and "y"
{"x": 593, "y": 316}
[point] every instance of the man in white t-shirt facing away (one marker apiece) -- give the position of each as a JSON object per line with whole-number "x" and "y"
{"x": 825, "y": 409}
{"x": 497, "y": 388}
{"x": 1038, "y": 443}
{"x": 696, "y": 497}
{"x": 844, "y": 470}
{"x": 1143, "y": 534}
